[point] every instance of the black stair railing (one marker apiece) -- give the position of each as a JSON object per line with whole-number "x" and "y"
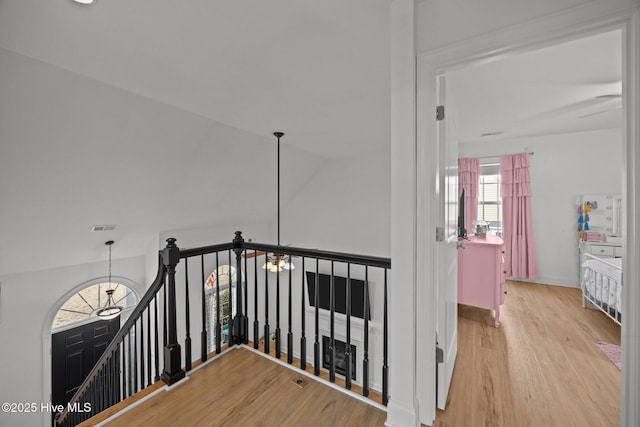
{"x": 119, "y": 372}
{"x": 134, "y": 359}
{"x": 341, "y": 301}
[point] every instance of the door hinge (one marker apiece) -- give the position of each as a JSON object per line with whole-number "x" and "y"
{"x": 440, "y": 112}
{"x": 439, "y": 234}
{"x": 439, "y": 355}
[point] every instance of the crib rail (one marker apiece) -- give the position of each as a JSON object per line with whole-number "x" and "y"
{"x": 599, "y": 287}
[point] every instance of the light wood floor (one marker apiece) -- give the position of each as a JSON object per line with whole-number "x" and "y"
{"x": 542, "y": 367}
{"x": 242, "y": 388}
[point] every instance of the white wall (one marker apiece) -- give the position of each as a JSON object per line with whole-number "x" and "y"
{"x": 27, "y": 304}
{"x": 345, "y": 207}
{"x": 562, "y": 168}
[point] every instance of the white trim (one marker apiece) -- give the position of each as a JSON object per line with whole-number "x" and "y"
{"x": 630, "y": 372}
{"x": 428, "y": 187}
{"x": 402, "y": 301}
{"x": 589, "y": 19}
{"x": 47, "y": 331}
{"x": 400, "y": 415}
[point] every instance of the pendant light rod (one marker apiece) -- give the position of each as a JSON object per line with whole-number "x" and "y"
{"x": 278, "y": 135}
{"x": 110, "y": 309}
{"x": 109, "y": 243}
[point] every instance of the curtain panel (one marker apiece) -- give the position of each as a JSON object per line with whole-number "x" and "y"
{"x": 469, "y": 179}
{"x": 517, "y": 227}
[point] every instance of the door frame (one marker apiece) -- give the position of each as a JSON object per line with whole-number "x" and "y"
{"x": 137, "y": 290}
{"x": 571, "y": 24}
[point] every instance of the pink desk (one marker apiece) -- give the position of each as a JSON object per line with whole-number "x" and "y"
{"x": 480, "y": 273}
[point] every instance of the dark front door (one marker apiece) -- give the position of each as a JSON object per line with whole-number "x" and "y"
{"x": 73, "y": 354}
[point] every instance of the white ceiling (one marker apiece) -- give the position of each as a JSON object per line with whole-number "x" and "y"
{"x": 158, "y": 115}
{"x": 549, "y": 91}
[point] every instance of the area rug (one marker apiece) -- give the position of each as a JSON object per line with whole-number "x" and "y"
{"x": 612, "y": 351}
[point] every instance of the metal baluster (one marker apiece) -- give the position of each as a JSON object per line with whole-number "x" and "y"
{"x": 347, "y": 351}
{"x": 246, "y": 300}
{"x": 100, "y": 391}
{"x": 113, "y": 384}
{"x": 290, "y": 334}
{"x": 141, "y": 353}
{"x": 267, "y": 332}
{"x": 203, "y": 334}
{"x": 124, "y": 368}
{"x": 148, "y": 309}
{"x": 187, "y": 340}
{"x": 135, "y": 359}
{"x": 241, "y": 322}
{"x": 277, "y": 310}
{"x": 365, "y": 361}
{"x": 118, "y": 372}
{"x": 332, "y": 343}
{"x": 218, "y": 326}
{"x": 230, "y": 331}
{"x": 112, "y": 387}
{"x": 109, "y": 391}
{"x": 157, "y": 339}
{"x": 385, "y": 351}
{"x": 316, "y": 344}
{"x": 256, "y": 324}
{"x": 303, "y": 338}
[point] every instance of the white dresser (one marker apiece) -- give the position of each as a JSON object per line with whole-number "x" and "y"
{"x": 603, "y": 249}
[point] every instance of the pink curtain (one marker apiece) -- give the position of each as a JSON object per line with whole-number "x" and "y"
{"x": 517, "y": 227}
{"x": 469, "y": 179}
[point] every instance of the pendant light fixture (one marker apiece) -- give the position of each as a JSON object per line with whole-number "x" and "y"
{"x": 110, "y": 309}
{"x": 277, "y": 262}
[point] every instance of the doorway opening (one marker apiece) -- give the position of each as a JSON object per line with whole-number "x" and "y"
{"x": 442, "y": 62}
{"x": 77, "y": 337}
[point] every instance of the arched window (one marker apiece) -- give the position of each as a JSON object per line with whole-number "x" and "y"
{"x": 220, "y": 282}
{"x": 83, "y": 305}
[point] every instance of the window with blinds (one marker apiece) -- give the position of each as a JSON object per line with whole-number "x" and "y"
{"x": 489, "y": 200}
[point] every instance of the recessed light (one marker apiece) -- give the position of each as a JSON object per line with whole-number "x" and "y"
{"x": 84, "y": 1}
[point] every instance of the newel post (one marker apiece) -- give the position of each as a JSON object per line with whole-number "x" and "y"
{"x": 241, "y": 321}
{"x": 172, "y": 372}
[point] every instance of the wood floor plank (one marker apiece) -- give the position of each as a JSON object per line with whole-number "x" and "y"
{"x": 244, "y": 388}
{"x": 542, "y": 367}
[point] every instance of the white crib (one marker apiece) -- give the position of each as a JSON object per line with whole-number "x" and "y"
{"x": 601, "y": 283}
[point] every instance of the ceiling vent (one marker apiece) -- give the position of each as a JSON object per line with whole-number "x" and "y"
{"x": 110, "y": 227}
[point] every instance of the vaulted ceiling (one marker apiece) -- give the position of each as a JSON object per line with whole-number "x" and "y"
{"x": 158, "y": 115}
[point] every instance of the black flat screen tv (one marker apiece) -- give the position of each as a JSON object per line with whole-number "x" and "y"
{"x": 340, "y": 289}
